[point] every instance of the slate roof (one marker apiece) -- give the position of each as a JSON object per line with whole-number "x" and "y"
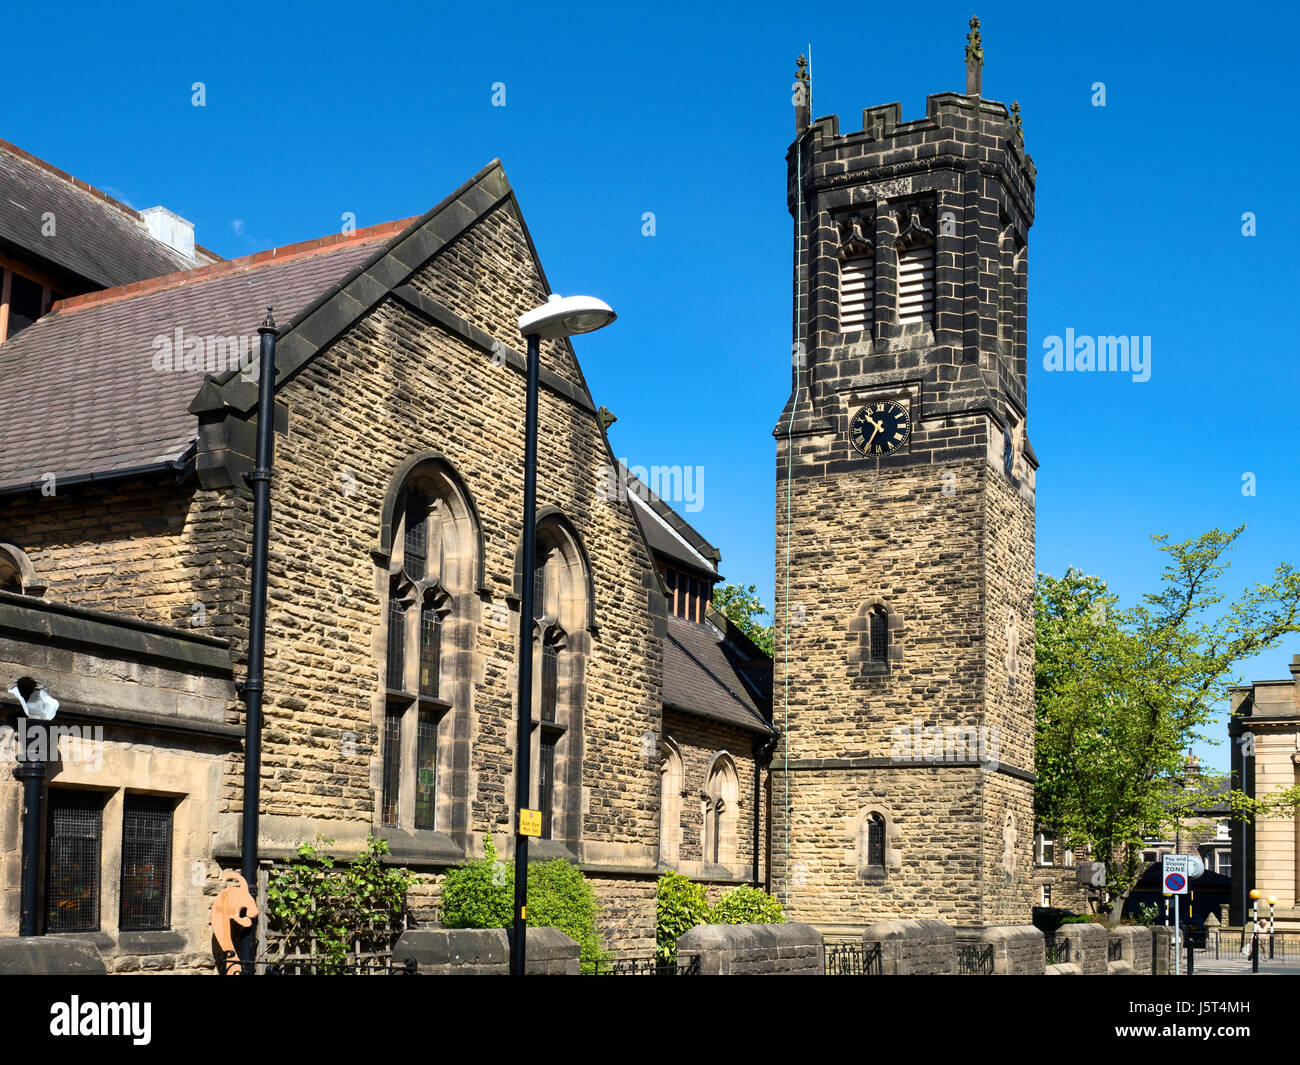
{"x": 667, "y": 533}
{"x": 84, "y": 377}
{"x": 705, "y": 675}
{"x": 96, "y": 238}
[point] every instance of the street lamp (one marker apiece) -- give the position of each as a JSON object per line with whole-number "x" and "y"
{"x": 38, "y": 705}
{"x": 558, "y": 317}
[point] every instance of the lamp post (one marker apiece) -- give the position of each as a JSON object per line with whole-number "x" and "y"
{"x": 558, "y": 317}
{"x": 38, "y": 705}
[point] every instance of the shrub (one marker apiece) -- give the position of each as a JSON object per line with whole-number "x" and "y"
{"x": 1147, "y": 913}
{"x": 560, "y": 897}
{"x": 746, "y": 905}
{"x": 680, "y": 904}
{"x": 337, "y": 908}
{"x": 480, "y": 894}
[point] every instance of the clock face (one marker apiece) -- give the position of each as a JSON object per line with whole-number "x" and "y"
{"x": 880, "y": 428}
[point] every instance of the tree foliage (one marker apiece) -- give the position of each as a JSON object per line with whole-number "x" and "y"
{"x": 1121, "y": 694}
{"x": 745, "y": 610}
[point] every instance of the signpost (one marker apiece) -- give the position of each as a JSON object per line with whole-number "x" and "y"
{"x": 1177, "y": 870}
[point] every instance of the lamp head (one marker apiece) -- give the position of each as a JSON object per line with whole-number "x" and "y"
{"x": 566, "y": 316}
{"x": 37, "y": 702}
{"x": 1255, "y": 893}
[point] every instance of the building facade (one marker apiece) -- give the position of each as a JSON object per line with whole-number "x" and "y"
{"x": 395, "y": 581}
{"x": 1265, "y": 733}
{"x": 905, "y": 522}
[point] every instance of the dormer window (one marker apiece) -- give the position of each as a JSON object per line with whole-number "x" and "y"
{"x": 23, "y": 299}
{"x": 688, "y": 595}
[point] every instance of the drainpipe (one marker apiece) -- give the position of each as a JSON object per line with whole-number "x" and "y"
{"x": 259, "y": 479}
{"x": 762, "y": 754}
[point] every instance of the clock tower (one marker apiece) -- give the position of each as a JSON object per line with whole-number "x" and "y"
{"x": 903, "y": 785}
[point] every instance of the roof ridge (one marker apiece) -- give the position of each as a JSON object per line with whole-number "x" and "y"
{"x": 75, "y": 182}
{"x": 283, "y": 253}
{"x": 704, "y": 547}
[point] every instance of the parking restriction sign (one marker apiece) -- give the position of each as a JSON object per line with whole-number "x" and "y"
{"x": 1176, "y": 869}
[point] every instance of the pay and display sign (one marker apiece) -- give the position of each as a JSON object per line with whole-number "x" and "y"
{"x": 1178, "y": 870}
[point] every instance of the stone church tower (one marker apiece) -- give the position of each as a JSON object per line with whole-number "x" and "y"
{"x": 905, "y": 521}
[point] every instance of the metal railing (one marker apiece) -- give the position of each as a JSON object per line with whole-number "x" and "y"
{"x": 313, "y": 967}
{"x": 1114, "y": 950}
{"x": 688, "y": 966}
{"x": 1055, "y": 951}
{"x": 974, "y": 959}
{"x": 851, "y": 959}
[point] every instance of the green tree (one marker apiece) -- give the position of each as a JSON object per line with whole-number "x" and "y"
{"x": 745, "y": 610}
{"x": 1120, "y": 694}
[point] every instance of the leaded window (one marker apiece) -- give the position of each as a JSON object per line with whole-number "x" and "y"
{"x": 426, "y": 770}
{"x": 879, "y": 634}
{"x": 146, "y": 863}
{"x": 430, "y": 647}
{"x": 876, "y": 841}
{"x": 546, "y": 782}
{"x": 392, "y": 767}
{"x": 396, "y": 678}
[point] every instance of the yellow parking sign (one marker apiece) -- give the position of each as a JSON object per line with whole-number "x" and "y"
{"x": 530, "y": 822}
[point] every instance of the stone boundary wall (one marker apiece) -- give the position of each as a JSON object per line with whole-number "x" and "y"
{"x": 755, "y": 949}
{"x": 1017, "y": 949}
{"x": 1087, "y": 947}
{"x": 1162, "y": 950}
{"x": 49, "y": 956}
{"x": 485, "y": 952}
{"x": 1136, "y": 957}
{"x": 913, "y": 948}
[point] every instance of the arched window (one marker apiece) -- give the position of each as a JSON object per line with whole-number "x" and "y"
{"x": 873, "y": 844}
{"x": 720, "y": 806}
{"x": 671, "y": 779}
{"x": 879, "y": 634}
{"x": 429, "y": 578}
{"x": 561, "y": 618}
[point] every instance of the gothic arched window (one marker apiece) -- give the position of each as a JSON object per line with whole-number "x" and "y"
{"x": 671, "y": 779}
{"x": 720, "y": 804}
{"x": 561, "y": 618}
{"x": 429, "y": 579}
{"x": 879, "y": 634}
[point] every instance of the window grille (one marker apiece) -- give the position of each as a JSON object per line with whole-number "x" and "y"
{"x": 857, "y": 294}
{"x": 392, "y": 767}
{"x": 426, "y": 770}
{"x": 916, "y": 284}
{"x": 146, "y": 864}
{"x": 73, "y": 861}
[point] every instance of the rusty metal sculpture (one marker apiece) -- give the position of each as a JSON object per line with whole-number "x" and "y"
{"x": 234, "y": 905}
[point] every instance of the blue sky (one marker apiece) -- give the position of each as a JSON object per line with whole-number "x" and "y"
{"x": 684, "y": 111}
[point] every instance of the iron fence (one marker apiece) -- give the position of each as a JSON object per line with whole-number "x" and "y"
{"x": 689, "y": 966}
{"x": 1114, "y": 950}
{"x": 313, "y": 967}
{"x": 852, "y": 959}
{"x": 974, "y": 959}
{"x": 1056, "y": 951}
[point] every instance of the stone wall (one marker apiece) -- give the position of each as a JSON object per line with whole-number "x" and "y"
{"x": 486, "y": 952}
{"x": 913, "y": 948}
{"x": 754, "y": 949}
{"x": 1136, "y": 950}
{"x": 1088, "y": 951}
{"x": 1017, "y": 949}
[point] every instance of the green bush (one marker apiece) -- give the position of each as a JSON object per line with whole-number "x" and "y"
{"x": 1147, "y": 912}
{"x": 314, "y": 899}
{"x": 680, "y": 904}
{"x": 746, "y": 905}
{"x": 480, "y": 894}
{"x": 560, "y": 897}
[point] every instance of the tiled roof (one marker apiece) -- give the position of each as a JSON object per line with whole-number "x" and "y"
{"x": 95, "y": 237}
{"x": 706, "y": 676}
{"x": 85, "y": 379}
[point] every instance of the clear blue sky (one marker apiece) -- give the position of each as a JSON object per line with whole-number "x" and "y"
{"x": 381, "y": 109}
